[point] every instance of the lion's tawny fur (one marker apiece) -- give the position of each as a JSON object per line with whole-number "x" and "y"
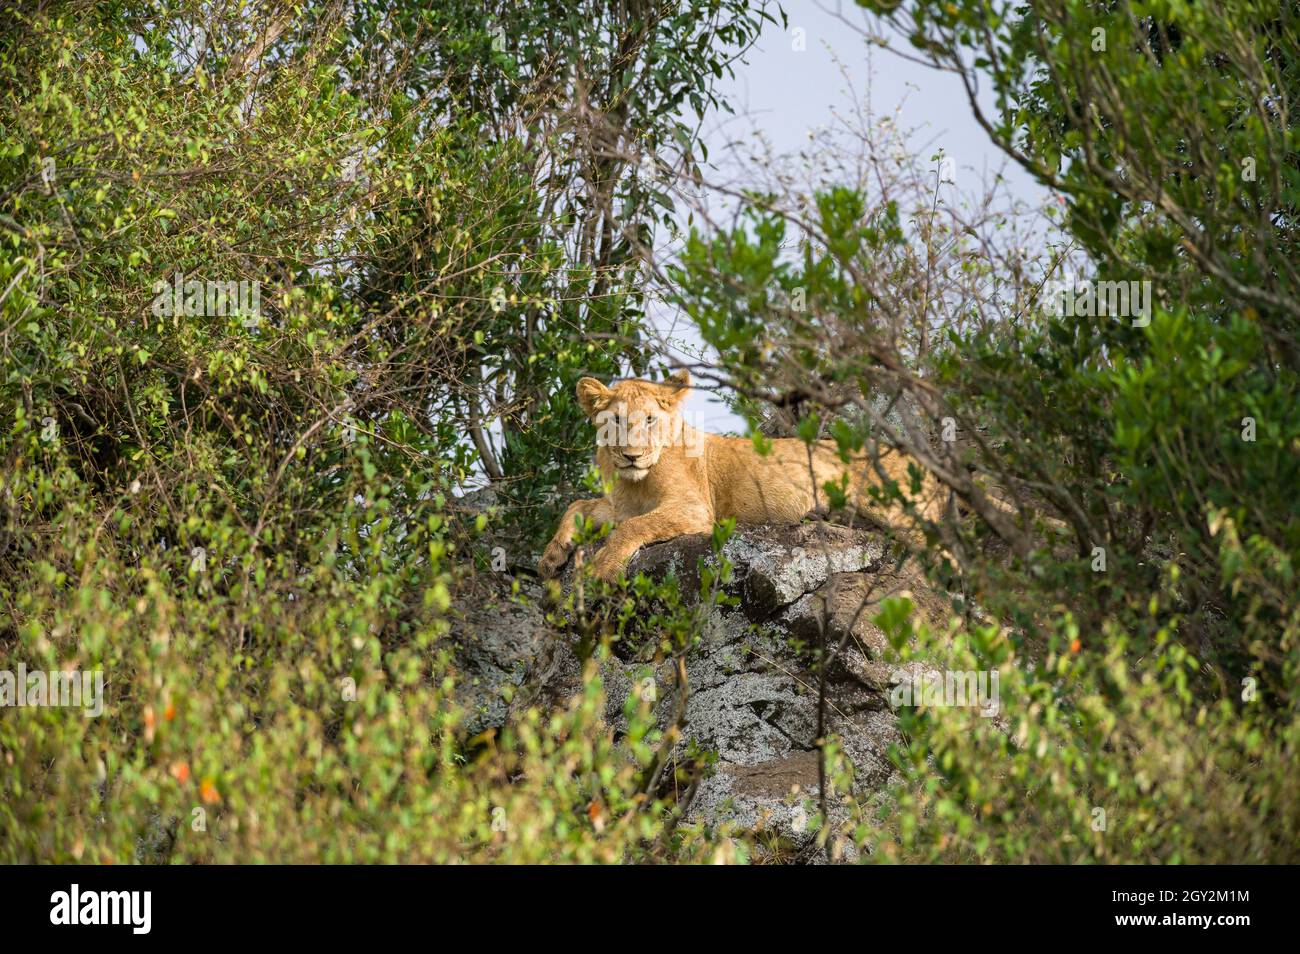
{"x": 666, "y": 478}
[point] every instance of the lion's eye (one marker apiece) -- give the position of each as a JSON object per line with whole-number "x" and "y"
{"x": 649, "y": 422}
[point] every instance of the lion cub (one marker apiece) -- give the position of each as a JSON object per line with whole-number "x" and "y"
{"x": 670, "y": 479}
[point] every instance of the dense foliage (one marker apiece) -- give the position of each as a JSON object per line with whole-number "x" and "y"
{"x": 241, "y": 510}
{"x": 1148, "y": 640}
{"x": 246, "y": 512}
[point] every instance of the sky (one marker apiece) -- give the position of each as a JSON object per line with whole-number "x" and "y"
{"x": 792, "y": 81}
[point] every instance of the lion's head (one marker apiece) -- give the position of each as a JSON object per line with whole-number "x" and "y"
{"x": 635, "y": 420}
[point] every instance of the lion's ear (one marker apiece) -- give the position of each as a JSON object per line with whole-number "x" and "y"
{"x": 592, "y": 396}
{"x": 680, "y": 384}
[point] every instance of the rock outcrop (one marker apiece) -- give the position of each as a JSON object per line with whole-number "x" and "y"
{"x": 753, "y": 680}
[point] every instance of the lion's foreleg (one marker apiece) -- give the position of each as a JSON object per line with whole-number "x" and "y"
{"x": 557, "y": 551}
{"x": 636, "y": 532}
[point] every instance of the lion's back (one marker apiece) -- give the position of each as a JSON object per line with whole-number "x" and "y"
{"x": 776, "y": 487}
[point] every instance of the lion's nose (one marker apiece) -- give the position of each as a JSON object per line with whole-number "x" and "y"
{"x": 632, "y": 457}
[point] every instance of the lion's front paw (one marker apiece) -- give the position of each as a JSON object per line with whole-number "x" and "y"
{"x": 553, "y": 559}
{"x": 607, "y": 566}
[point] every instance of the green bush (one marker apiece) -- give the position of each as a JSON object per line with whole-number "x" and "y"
{"x": 242, "y": 516}
{"x": 1135, "y": 592}
{"x": 246, "y": 518}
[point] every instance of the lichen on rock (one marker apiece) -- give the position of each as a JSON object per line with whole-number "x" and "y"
{"x": 752, "y": 676}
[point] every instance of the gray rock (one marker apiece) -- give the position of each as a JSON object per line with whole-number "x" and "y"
{"x": 752, "y": 678}
{"x": 498, "y": 640}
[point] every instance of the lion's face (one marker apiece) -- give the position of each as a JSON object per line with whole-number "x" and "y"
{"x": 635, "y": 429}
{"x": 635, "y": 420}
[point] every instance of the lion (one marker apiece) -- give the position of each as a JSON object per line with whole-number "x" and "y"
{"x": 667, "y": 479}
